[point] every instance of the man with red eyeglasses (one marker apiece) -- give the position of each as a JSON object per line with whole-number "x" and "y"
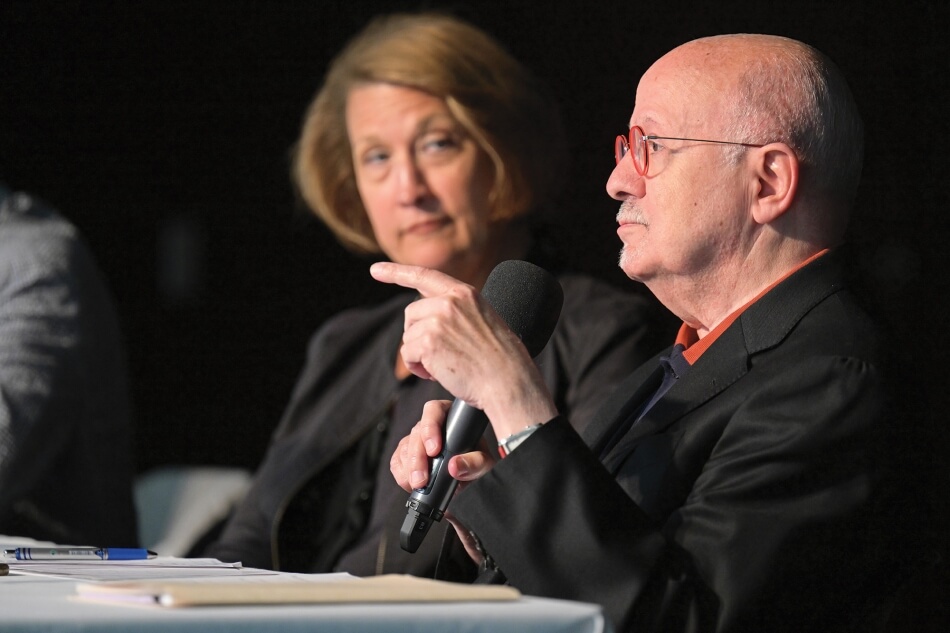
{"x": 735, "y": 482}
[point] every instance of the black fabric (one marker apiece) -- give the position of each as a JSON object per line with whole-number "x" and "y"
{"x": 332, "y": 508}
{"x": 674, "y": 365}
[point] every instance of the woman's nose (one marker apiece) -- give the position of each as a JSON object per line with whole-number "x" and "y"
{"x": 410, "y": 183}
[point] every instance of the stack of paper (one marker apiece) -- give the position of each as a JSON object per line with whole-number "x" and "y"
{"x": 93, "y": 569}
{"x": 154, "y": 568}
{"x": 290, "y": 589}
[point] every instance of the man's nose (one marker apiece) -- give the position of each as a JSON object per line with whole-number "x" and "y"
{"x": 625, "y": 181}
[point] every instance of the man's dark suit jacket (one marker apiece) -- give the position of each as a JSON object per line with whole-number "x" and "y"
{"x": 745, "y": 499}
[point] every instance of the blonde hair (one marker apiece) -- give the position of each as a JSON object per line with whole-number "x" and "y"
{"x": 494, "y": 97}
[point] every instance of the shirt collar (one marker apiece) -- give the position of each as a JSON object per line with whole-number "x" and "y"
{"x": 689, "y": 338}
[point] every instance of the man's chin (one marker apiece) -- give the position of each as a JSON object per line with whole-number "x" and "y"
{"x": 629, "y": 265}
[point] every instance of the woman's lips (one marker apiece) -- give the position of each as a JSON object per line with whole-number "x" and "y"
{"x": 426, "y": 227}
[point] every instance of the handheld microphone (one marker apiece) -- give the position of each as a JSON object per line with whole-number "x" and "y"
{"x": 529, "y": 300}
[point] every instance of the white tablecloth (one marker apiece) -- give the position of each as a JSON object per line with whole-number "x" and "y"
{"x": 31, "y": 603}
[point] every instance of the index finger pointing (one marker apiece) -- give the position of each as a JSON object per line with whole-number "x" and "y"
{"x": 427, "y": 281}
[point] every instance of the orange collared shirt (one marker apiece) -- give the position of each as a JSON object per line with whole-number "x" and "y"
{"x": 695, "y": 346}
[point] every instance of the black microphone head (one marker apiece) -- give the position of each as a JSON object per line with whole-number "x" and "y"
{"x": 528, "y": 298}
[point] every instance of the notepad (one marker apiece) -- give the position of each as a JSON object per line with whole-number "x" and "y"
{"x": 318, "y": 589}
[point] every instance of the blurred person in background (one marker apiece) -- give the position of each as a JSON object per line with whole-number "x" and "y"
{"x": 66, "y": 462}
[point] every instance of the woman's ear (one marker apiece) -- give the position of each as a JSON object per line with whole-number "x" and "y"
{"x": 776, "y": 172}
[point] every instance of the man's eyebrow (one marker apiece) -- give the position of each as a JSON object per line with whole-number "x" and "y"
{"x": 648, "y": 121}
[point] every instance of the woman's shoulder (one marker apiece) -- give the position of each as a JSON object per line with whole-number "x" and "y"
{"x": 583, "y": 291}
{"x": 362, "y": 321}
{"x": 595, "y": 309}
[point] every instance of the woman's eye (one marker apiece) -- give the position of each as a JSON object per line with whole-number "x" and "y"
{"x": 374, "y": 157}
{"x": 436, "y": 143}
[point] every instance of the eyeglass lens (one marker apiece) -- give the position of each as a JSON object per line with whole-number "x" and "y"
{"x": 620, "y": 148}
{"x": 623, "y": 144}
{"x": 641, "y": 157}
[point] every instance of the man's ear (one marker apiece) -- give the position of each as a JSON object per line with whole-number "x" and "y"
{"x": 776, "y": 172}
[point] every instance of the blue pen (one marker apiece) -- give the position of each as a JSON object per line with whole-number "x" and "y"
{"x": 79, "y": 553}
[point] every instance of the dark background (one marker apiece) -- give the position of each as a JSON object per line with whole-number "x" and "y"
{"x": 162, "y": 129}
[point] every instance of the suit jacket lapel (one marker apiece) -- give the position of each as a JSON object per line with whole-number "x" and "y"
{"x": 763, "y": 325}
{"x": 709, "y": 376}
{"x": 622, "y": 403}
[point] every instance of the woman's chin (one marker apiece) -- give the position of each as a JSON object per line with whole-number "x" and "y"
{"x": 437, "y": 259}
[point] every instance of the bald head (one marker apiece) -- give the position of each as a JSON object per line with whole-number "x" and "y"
{"x": 775, "y": 89}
